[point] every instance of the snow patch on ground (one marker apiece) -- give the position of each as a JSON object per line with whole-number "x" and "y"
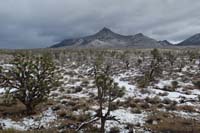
{"x": 163, "y": 83}
{"x": 130, "y": 89}
{"x": 44, "y": 120}
{"x": 125, "y": 117}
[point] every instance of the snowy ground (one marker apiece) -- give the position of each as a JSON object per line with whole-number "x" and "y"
{"x": 44, "y": 120}
{"x": 125, "y": 115}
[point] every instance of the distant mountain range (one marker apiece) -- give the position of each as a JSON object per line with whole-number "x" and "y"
{"x": 191, "y": 41}
{"x": 106, "y": 38}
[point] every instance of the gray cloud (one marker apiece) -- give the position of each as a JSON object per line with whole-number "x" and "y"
{"x": 41, "y": 23}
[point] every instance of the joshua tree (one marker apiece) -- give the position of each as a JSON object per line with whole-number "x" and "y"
{"x": 192, "y": 55}
{"x": 125, "y": 59}
{"x": 156, "y": 55}
{"x": 32, "y": 77}
{"x": 181, "y": 63}
{"x": 170, "y": 57}
{"x": 153, "y": 70}
{"x": 108, "y": 91}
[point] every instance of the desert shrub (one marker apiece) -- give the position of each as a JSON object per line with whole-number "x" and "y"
{"x": 144, "y": 105}
{"x": 84, "y": 83}
{"x": 129, "y": 127}
{"x": 143, "y": 82}
{"x": 9, "y": 130}
{"x": 114, "y": 106}
{"x": 145, "y": 91}
{"x": 83, "y": 117}
{"x": 91, "y": 129}
{"x": 174, "y": 84}
{"x": 188, "y": 92}
{"x": 61, "y": 89}
{"x": 171, "y": 106}
{"x": 136, "y": 110}
{"x": 139, "y": 62}
{"x": 114, "y": 130}
{"x": 160, "y": 105}
{"x": 12, "y": 130}
{"x": 132, "y": 104}
{"x": 168, "y": 88}
{"x": 170, "y": 57}
{"x": 166, "y": 101}
{"x": 81, "y": 105}
{"x": 61, "y": 113}
{"x": 196, "y": 83}
{"x": 186, "y": 108}
{"x": 129, "y": 102}
{"x": 154, "y": 100}
{"x": 77, "y": 89}
{"x": 7, "y": 100}
{"x": 163, "y": 94}
{"x": 173, "y": 124}
{"x": 56, "y": 107}
{"x": 91, "y": 95}
{"x": 150, "y": 120}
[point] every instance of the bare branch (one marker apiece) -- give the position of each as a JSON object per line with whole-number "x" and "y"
{"x": 86, "y": 123}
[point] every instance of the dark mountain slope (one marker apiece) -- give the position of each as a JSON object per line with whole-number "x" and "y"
{"x": 107, "y": 38}
{"x": 191, "y": 41}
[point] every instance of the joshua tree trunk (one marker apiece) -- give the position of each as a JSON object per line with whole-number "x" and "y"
{"x": 103, "y": 121}
{"x": 29, "y": 109}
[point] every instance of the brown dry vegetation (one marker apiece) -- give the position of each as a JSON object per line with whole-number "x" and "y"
{"x": 66, "y": 104}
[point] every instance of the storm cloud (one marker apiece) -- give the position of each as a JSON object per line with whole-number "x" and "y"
{"x": 41, "y": 23}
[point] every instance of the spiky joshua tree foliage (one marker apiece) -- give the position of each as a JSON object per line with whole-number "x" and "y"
{"x": 153, "y": 70}
{"x": 108, "y": 91}
{"x": 32, "y": 77}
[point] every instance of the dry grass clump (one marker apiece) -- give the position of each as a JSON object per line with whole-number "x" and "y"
{"x": 7, "y": 100}
{"x": 82, "y": 105}
{"x": 13, "y": 110}
{"x": 163, "y": 94}
{"x": 129, "y": 102}
{"x": 167, "y": 101}
{"x": 196, "y": 83}
{"x": 84, "y": 83}
{"x": 154, "y": 100}
{"x": 186, "y": 108}
{"x": 169, "y": 88}
{"x": 114, "y": 130}
{"x": 62, "y": 113}
{"x": 174, "y": 84}
{"x": 12, "y": 130}
{"x": 136, "y": 110}
{"x": 142, "y": 82}
{"x": 169, "y": 123}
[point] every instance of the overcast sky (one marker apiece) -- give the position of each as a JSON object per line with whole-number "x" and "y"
{"x": 41, "y": 23}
